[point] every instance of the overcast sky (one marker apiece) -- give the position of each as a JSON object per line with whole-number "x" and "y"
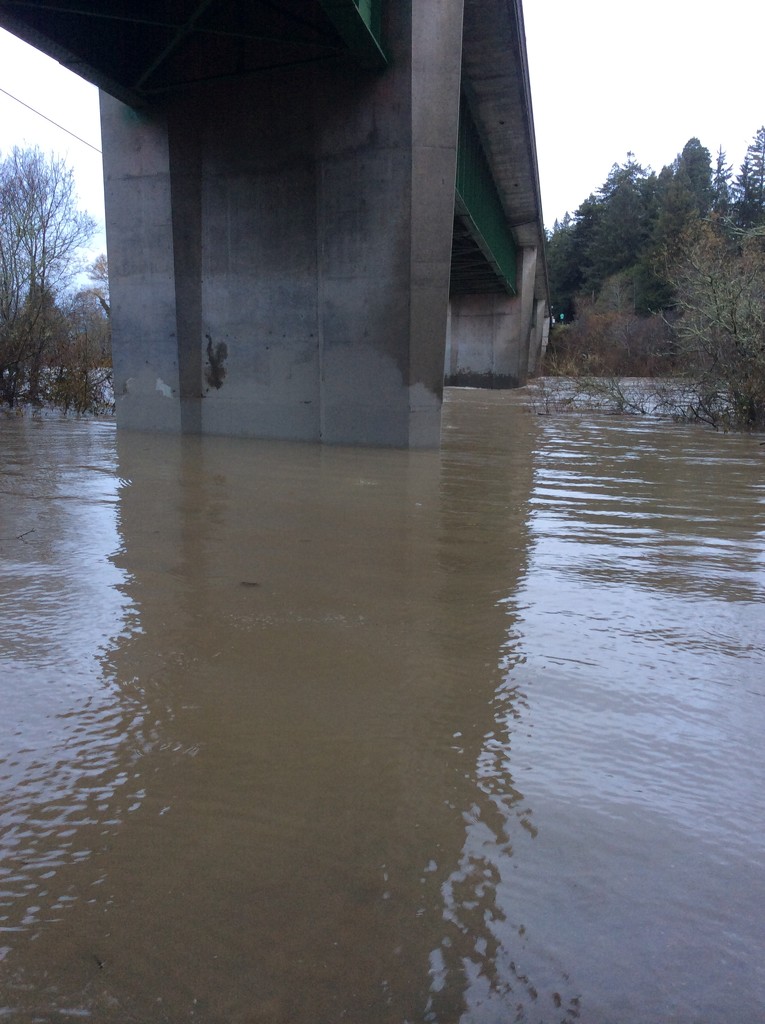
{"x": 607, "y": 79}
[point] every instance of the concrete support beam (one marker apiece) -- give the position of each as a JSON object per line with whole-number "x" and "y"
{"x": 280, "y": 246}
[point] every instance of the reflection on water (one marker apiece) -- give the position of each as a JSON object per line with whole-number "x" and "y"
{"x": 293, "y": 734}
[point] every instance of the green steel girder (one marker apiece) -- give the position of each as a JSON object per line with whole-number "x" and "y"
{"x": 478, "y": 203}
{"x": 358, "y": 22}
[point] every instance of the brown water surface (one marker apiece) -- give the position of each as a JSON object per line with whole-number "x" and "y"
{"x": 301, "y": 735}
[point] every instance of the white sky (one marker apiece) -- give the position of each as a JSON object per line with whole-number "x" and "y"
{"x": 610, "y": 77}
{"x": 607, "y": 78}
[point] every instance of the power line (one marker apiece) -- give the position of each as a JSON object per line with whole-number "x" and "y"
{"x": 50, "y": 119}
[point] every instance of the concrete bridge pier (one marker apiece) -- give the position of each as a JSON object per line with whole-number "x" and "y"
{"x": 280, "y": 245}
{"x": 492, "y": 337}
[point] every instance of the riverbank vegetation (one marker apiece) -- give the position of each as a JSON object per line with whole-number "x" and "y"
{"x": 55, "y": 344}
{"x": 662, "y": 276}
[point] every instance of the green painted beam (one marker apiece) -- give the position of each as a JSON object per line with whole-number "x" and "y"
{"x": 358, "y": 22}
{"x": 479, "y": 204}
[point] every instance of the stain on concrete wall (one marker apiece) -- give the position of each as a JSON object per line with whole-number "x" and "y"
{"x": 215, "y": 370}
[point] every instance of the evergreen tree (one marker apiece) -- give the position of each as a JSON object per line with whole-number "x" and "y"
{"x": 684, "y": 197}
{"x": 622, "y": 225}
{"x": 721, "y": 186}
{"x": 676, "y": 206}
{"x": 745, "y": 203}
{"x": 586, "y": 226}
{"x": 749, "y": 188}
{"x": 756, "y": 156}
{"x": 693, "y": 168}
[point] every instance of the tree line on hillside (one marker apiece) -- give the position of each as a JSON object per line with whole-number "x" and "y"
{"x": 54, "y": 330}
{"x": 664, "y": 274}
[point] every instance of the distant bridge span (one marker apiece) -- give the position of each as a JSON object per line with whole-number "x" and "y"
{"x": 315, "y": 209}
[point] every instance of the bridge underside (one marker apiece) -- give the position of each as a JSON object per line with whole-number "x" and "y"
{"x": 288, "y": 254}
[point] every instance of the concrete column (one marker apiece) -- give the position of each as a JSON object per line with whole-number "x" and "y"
{"x": 436, "y": 74}
{"x": 141, "y": 268}
{"x": 545, "y": 329}
{"x": 280, "y": 246}
{"x": 540, "y": 331}
{"x": 526, "y": 281}
{"x": 386, "y": 202}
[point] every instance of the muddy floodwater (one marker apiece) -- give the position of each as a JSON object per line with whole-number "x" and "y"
{"x": 304, "y": 735}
